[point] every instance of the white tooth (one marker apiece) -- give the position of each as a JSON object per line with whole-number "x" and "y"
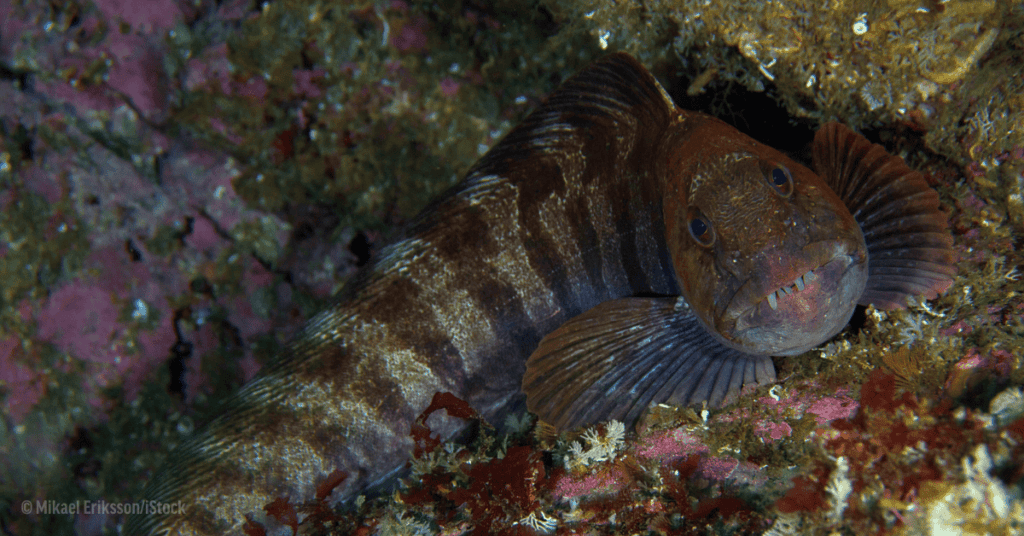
{"x": 772, "y": 302}
{"x": 799, "y": 283}
{"x": 786, "y": 290}
{"x": 809, "y": 276}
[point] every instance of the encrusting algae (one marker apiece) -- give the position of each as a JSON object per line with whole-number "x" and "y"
{"x": 950, "y": 70}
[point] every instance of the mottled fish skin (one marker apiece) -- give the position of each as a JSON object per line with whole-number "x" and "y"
{"x": 506, "y": 256}
{"x": 764, "y": 237}
{"x": 557, "y": 237}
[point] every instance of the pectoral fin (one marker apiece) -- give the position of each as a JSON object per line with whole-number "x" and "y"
{"x": 615, "y": 360}
{"x": 910, "y": 249}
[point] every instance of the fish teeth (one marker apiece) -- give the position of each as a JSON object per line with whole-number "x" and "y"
{"x": 800, "y": 283}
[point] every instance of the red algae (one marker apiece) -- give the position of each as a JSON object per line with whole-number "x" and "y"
{"x": 806, "y": 495}
{"x": 284, "y": 513}
{"x": 897, "y": 448}
{"x": 879, "y": 392}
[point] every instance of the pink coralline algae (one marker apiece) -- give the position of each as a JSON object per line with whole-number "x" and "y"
{"x": 204, "y": 236}
{"x": 568, "y": 486}
{"x": 148, "y": 16}
{"x": 86, "y": 319}
{"x": 307, "y": 82}
{"x": 412, "y": 36}
{"x": 674, "y": 443}
{"x": 211, "y": 70}
{"x": 135, "y": 73}
{"x": 81, "y": 318}
{"x": 958, "y": 328}
{"x": 976, "y": 366}
{"x": 25, "y": 385}
{"x": 830, "y": 408}
{"x": 770, "y": 424}
{"x": 449, "y": 86}
{"x": 254, "y": 88}
{"x": 161, "y": 217}
{"x": 773, "y": 431}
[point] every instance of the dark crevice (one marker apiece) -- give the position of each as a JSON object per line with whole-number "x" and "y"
{"x": 361, "y": 247}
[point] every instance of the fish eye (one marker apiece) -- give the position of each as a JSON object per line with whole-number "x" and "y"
{"x": 700, "y": 227}
{"x": 780, "y": 180}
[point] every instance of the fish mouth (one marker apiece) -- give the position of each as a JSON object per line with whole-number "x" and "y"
{"x": 814, "y": 301}
{"x": 798, "y": 284}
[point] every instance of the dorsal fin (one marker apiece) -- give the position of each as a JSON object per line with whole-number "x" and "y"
{"x": 611, "y": 100}
{"x": 909, "y": 246}
{"x": 613, "y": 111}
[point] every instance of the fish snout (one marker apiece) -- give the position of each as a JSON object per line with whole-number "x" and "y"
{"x": 795, "y": 303}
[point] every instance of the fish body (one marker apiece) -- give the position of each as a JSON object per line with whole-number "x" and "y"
{"x": 611, "y": 252}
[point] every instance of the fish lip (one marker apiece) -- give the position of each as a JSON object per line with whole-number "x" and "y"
{"x": 754, "y": 292}
{"x": 800, "y": 321}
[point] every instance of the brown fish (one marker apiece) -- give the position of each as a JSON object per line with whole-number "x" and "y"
{"x": 610, "y": 252}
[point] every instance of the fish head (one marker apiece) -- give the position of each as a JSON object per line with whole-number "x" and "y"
{"x": 767, "y": 255}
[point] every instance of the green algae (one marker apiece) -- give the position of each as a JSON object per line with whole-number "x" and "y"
{"x": 378, "y": 137}
{"x": 166, "y": 239}
{"x": 108, "y": 462}
{"x": 44, "y": 242}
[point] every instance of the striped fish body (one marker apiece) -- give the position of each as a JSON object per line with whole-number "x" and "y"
{"x": 546, "y": 274}
{"x": 457, "y": 305}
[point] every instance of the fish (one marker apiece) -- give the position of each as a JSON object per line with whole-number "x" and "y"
{"x": 611, "y": 252}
